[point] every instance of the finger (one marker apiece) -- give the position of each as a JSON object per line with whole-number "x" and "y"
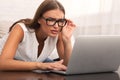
{"x": 61, "y": 61}
{"x": 69, "y": 22}
{"x": 59, "y": 66}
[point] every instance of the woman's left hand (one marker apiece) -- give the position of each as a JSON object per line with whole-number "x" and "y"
{"x": 67, "y": 30}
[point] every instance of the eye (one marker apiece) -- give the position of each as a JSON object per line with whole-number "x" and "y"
{"x": 62, "y": 20}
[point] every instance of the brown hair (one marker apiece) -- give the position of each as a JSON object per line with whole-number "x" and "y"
{"x": 44, "y": 7}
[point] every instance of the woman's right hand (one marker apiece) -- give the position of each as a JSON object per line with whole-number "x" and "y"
{"x": 52, "y": 66}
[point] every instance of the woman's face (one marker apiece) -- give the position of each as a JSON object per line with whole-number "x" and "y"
{"x": 51, "y": 22}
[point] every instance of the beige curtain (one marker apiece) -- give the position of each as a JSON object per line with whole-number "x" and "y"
{"x": 95, "y": 17}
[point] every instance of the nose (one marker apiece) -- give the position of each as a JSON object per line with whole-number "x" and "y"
{"x": 56, "y": 25}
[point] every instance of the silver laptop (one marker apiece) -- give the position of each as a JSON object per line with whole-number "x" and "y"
{"x": 93, "y": 54}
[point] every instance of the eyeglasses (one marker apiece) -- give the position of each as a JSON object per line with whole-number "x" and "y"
{"x": 52, "y": 21}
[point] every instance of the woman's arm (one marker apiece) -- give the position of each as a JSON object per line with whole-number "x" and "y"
{"x": 64, "y": 45}
{"x": 64, "y": 50}
{"x": 7, "y": 61}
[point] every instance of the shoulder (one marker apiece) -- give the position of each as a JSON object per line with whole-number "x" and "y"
{"x": 17, "y": 27}
{"x": 17, "y": 31}
{"x": 20, "y": 28}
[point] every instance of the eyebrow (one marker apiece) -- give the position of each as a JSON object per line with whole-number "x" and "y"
{"x": 53, "y": 17}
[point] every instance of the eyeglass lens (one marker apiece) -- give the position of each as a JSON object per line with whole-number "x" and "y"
{"x": 53, "y": 21}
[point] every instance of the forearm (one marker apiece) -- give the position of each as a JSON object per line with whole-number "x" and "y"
{"x": 17, "y": 65}
{"x": 64, "y": 48}
{"x": 67, "y": 51}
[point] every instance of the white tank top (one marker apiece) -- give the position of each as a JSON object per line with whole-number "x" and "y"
{"x": 28, "y": 48}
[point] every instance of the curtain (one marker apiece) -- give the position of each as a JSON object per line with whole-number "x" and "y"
{"x": 96, "y": 17}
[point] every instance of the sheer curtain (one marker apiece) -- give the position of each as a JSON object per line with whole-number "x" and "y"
{"x": 96, "y": 17}
{"x": 110, "y": 21}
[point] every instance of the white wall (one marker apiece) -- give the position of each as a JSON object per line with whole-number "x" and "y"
{"x": 17, "y": 9}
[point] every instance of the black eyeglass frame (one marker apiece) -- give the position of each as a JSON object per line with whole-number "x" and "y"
{"x": 56, "y": 21}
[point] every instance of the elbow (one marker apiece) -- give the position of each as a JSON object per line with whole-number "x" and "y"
{"x": 2, "y": 64}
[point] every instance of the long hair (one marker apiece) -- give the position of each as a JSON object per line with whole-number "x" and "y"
{"x": 45, "y": 6}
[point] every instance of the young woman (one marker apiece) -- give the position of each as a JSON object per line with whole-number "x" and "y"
{"x": 31, "y": 41}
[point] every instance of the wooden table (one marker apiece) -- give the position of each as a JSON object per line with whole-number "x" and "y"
{"x": 52, "y": 76}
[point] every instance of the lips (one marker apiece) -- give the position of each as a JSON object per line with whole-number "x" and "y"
{"x": 54, "y": 31}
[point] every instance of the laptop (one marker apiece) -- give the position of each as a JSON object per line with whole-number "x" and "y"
{"x": 93, "y": 54}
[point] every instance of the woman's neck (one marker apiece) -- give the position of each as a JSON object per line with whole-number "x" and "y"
{"x": 41, "y": 37}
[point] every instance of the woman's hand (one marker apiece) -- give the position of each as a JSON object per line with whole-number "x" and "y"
{"x": 52, "y": 66}
{"x": 67, "y": 31}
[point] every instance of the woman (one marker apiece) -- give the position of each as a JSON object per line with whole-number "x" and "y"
{"x": 31, "y": 41}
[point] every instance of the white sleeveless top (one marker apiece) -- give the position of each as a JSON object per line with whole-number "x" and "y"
{"x": 28, "y": 48}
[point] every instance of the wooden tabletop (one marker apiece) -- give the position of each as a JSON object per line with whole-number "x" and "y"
{"x": 27, "y": 75}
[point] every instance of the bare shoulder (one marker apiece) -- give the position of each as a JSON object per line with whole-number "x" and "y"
{"x": 15, "y": 37}
{"x": 16, "y": 27}
{"x": 16, "y": 33}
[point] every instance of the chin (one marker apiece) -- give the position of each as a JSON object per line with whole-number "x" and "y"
{"x": 53, "y": 35}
